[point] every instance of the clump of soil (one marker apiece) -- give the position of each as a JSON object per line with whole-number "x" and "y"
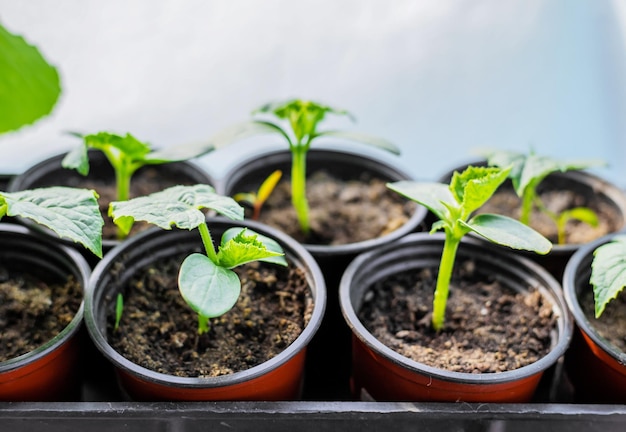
{"x": 488, "y": 327}
{"x": 32, "y": 311}
{"x": 341, "y": 212}
{"x": 612, "y": 323}
{"x": 507, "y": 203}
{"x": 159, "y": 331}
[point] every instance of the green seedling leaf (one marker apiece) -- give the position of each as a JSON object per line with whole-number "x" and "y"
{"x": 474, "y": 186}
{"x": 608, "y": 272}
{"x": 267, "y": 187}
{"x": 430, "y": 195}
{"x": 241, "y": 245}
{"x": 176, "y": 206}
{"x": 509, "y": 232}
{"x": 119, "y": 310}
{"x": 29, "y": 86}
{"x": 582, "y": 214}
{"x": 210, "y": 290}
{"x": 71, "y": 213}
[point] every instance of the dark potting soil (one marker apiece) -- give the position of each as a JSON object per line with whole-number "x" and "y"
{"x": 612, "y": 323}
{"x": 341, "y": 212}
{"x": 507, "y": 203}
{"x": 158, "y": 330}
{"x": 488, "y": 327}
{"x": 32, "y": 312}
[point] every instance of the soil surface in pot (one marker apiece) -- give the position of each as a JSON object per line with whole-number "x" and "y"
{"x": 507, "y": 203}
{"x": 612, "y": 323}
{"x": 144, "y": 182}
{"x": 158, "y": 330}
{"x": 32, "y": 312}
{"x": 488, "y": 327}
{"x": 341, "y": 212}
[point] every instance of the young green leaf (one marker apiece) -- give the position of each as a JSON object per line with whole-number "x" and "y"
{"x": 430, "y": 195}
{"x": 176, "y": 206}
{"x": 69, "y": 212}
{"x": 258, "y": 199}
{"x": 119, "y": 310}
{"x": 474, "y": 186}
{"x": 29, "y": 86}
{"x": 608, "y": 272}
{"x": 240, "y": 246}
{"x": 509, "y": 232}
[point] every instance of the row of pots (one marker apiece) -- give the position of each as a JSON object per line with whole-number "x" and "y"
{"x": 339, "y": 278}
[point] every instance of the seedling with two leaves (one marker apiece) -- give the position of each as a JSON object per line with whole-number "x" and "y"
{"x": 453, "y": 205}
{"x": 297, "y": 122}
{"x": 206, "y": 281}
{"x": 527, "y": 173}
{"x": 257, "y": 199}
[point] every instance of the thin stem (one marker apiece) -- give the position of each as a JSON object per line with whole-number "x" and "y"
{"x": 207, "y": 241}
{"x": 446, "y": 265}
{"x": 203, "y": 324}
{"x": 528, "y": 199}
{"x": 298, "y": 187}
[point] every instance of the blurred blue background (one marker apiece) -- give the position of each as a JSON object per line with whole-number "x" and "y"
{"x": 439, "y": 79}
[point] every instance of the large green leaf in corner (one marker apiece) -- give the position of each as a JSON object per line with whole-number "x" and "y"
{"x": 29, "y": 86}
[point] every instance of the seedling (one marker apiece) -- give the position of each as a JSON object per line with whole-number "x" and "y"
{"x": 302, "y": 118}
{"x": 119, "y": 310}
{"x": 127, "y": 154}
{"x": 453, "y": 205}
{"x": 608, "y": 272}
{"x": 206, "y": 281}
{"x": 527, "y": 173}
{"x": 29, "y": 89}
{"x": 258, "y": 199}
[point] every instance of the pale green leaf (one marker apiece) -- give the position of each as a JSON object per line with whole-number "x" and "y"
{"x": 178, "y": 206}
{"x": 582, "y": 214}
{"x": 77, "y": 159}
{"x": 430, "y": 195}
{"x": 127, "y": 145}
{"x": 363, "y": 139}
{"x": 29, "y": 86}
{"x": 509, "y": 232}
{"x": 608, "y": 272}
{"x": 242, "y": 245}
{"x": 209, "y": 290}
{"x": 475, "y": 185}
{"x": 71, "y": 213}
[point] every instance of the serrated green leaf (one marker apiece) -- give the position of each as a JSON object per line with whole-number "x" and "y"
{"x": 128, "y": 145}
{"x": 29, "y": 86}
{"x": 210, "y": 290}
{"x": 176, "y": 206}
{"x": 71, "y": 213}
{"x": 430, "y": 195}
{"x": 363, "y": 139}
{"x": 608, "y": 272}
{"x": 509, "y": 232}
{"x": 475, "y": 185}
{"x": 242, "y": 245}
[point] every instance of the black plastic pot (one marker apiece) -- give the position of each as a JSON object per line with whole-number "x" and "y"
{"x": 333, "y": 259}
{"x": 52, "y": 371}
{"x": 596, "y": 368}
{"x": 380, "y": 373}
{"x": 262, "y": 382}
{"x": 591, "y": 187}
{"x": 49, "y": 172}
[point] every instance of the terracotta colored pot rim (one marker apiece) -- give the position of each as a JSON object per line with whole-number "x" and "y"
{"x": 66, "y": 256}
{"x": 376, "y": 165}
{"x": 368, "y": 264}
{"x": 578, "y": 269}
{"x": 294, "y": 251}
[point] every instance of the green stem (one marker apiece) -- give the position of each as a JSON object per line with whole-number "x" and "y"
{"x": 203, "y": 324}
{"x": 298, "y": 186}
{"x": 207, "y": 241}
{"x": 446, "y": 265}
{"x": 527, "y": 205}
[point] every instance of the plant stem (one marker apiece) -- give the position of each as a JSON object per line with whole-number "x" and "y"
{"x": 203, "y": 324}
{"x": 207, "y": 241}
{"x": 446, "y": 265}
{"x": 298, "y": 186}
{"x": 528, "y": 199}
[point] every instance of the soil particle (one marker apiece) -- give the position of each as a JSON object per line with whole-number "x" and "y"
{"x": 488, "y": 327}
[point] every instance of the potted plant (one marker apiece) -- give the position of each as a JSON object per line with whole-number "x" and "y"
{"x": 559, "y": 199}
{"x": 117, "y": 167}
{"x": 405, "y": 350}
{"x": 152, "y": 268}
{"x": 593, "y": 281}
{"x": 331, "y": 199}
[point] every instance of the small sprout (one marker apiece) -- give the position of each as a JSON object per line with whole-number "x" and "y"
{"x": 258, "y": 199}
{"x": 119, "y": 310}
{"x": 527, "y": 173}
{"x": 608, "y": 272}
{"x": 302, "y": 118}
{"x": 126, "y": 155}
{"x": 454, "y": 204}
{"x": 206, "y": 282}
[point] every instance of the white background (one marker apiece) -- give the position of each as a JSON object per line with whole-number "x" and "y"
{"x": 438, "y": 78}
